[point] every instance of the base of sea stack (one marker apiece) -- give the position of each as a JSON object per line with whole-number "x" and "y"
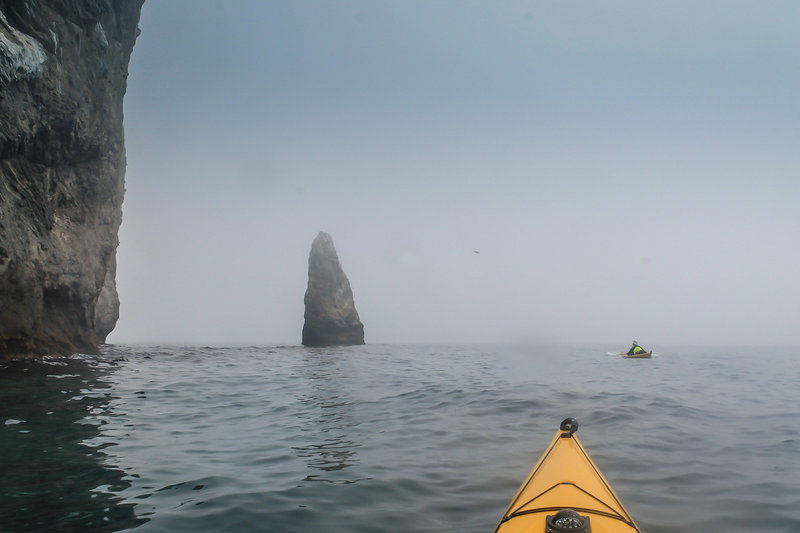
{"x": 565, "y": 492}
{"x": 332, "y": 335}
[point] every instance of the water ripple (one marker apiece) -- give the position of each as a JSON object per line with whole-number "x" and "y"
{"x": 388, "y": 438}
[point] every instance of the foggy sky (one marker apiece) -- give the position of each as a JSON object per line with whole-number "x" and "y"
{"x": 624, "y": 169}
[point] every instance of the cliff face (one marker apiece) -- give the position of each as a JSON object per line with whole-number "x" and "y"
{"x": 331, "y": 316}
{"x": 63, "y": 75}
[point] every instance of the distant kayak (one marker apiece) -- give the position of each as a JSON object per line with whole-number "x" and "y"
{"x": 565, "y": 491}
{"x": 643, "y": 355}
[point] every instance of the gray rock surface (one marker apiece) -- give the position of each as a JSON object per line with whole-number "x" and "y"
{"x": 63, "y": 75}
{"x": 331, "y": 316}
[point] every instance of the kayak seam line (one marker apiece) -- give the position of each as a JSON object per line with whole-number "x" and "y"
{"x": 605, "y": 483}
{"x": 530, "y": 477}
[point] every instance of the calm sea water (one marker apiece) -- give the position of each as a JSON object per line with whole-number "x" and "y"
{"x": 390, "y": 438}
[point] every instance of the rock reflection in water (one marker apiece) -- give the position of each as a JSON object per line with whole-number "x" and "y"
{"x": 53, "y": 478}
{"x": 326, "y": 417}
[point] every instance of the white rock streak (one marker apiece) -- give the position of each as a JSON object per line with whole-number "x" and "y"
{"x": 21, "y": 56}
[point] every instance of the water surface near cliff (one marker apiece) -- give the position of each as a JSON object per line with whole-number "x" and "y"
{"x": 390, "y": 438}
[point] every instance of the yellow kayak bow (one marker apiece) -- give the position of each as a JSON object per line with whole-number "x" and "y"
{"x": 565, "y": 492}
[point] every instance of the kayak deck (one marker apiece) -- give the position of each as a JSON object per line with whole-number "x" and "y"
{"x": 644, "y": 355}
{"x": 566, "y": 478}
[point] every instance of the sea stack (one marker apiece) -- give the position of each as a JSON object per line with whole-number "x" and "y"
{"x": 63, "y": 75}
{"x": 331, "y": 316}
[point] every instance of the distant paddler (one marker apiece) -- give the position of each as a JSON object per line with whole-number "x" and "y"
{"x": 636, "y": 349}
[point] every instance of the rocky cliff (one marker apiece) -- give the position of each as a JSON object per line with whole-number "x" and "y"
{"x": 331, "y": 316}
{"x": 63, "y": 75}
